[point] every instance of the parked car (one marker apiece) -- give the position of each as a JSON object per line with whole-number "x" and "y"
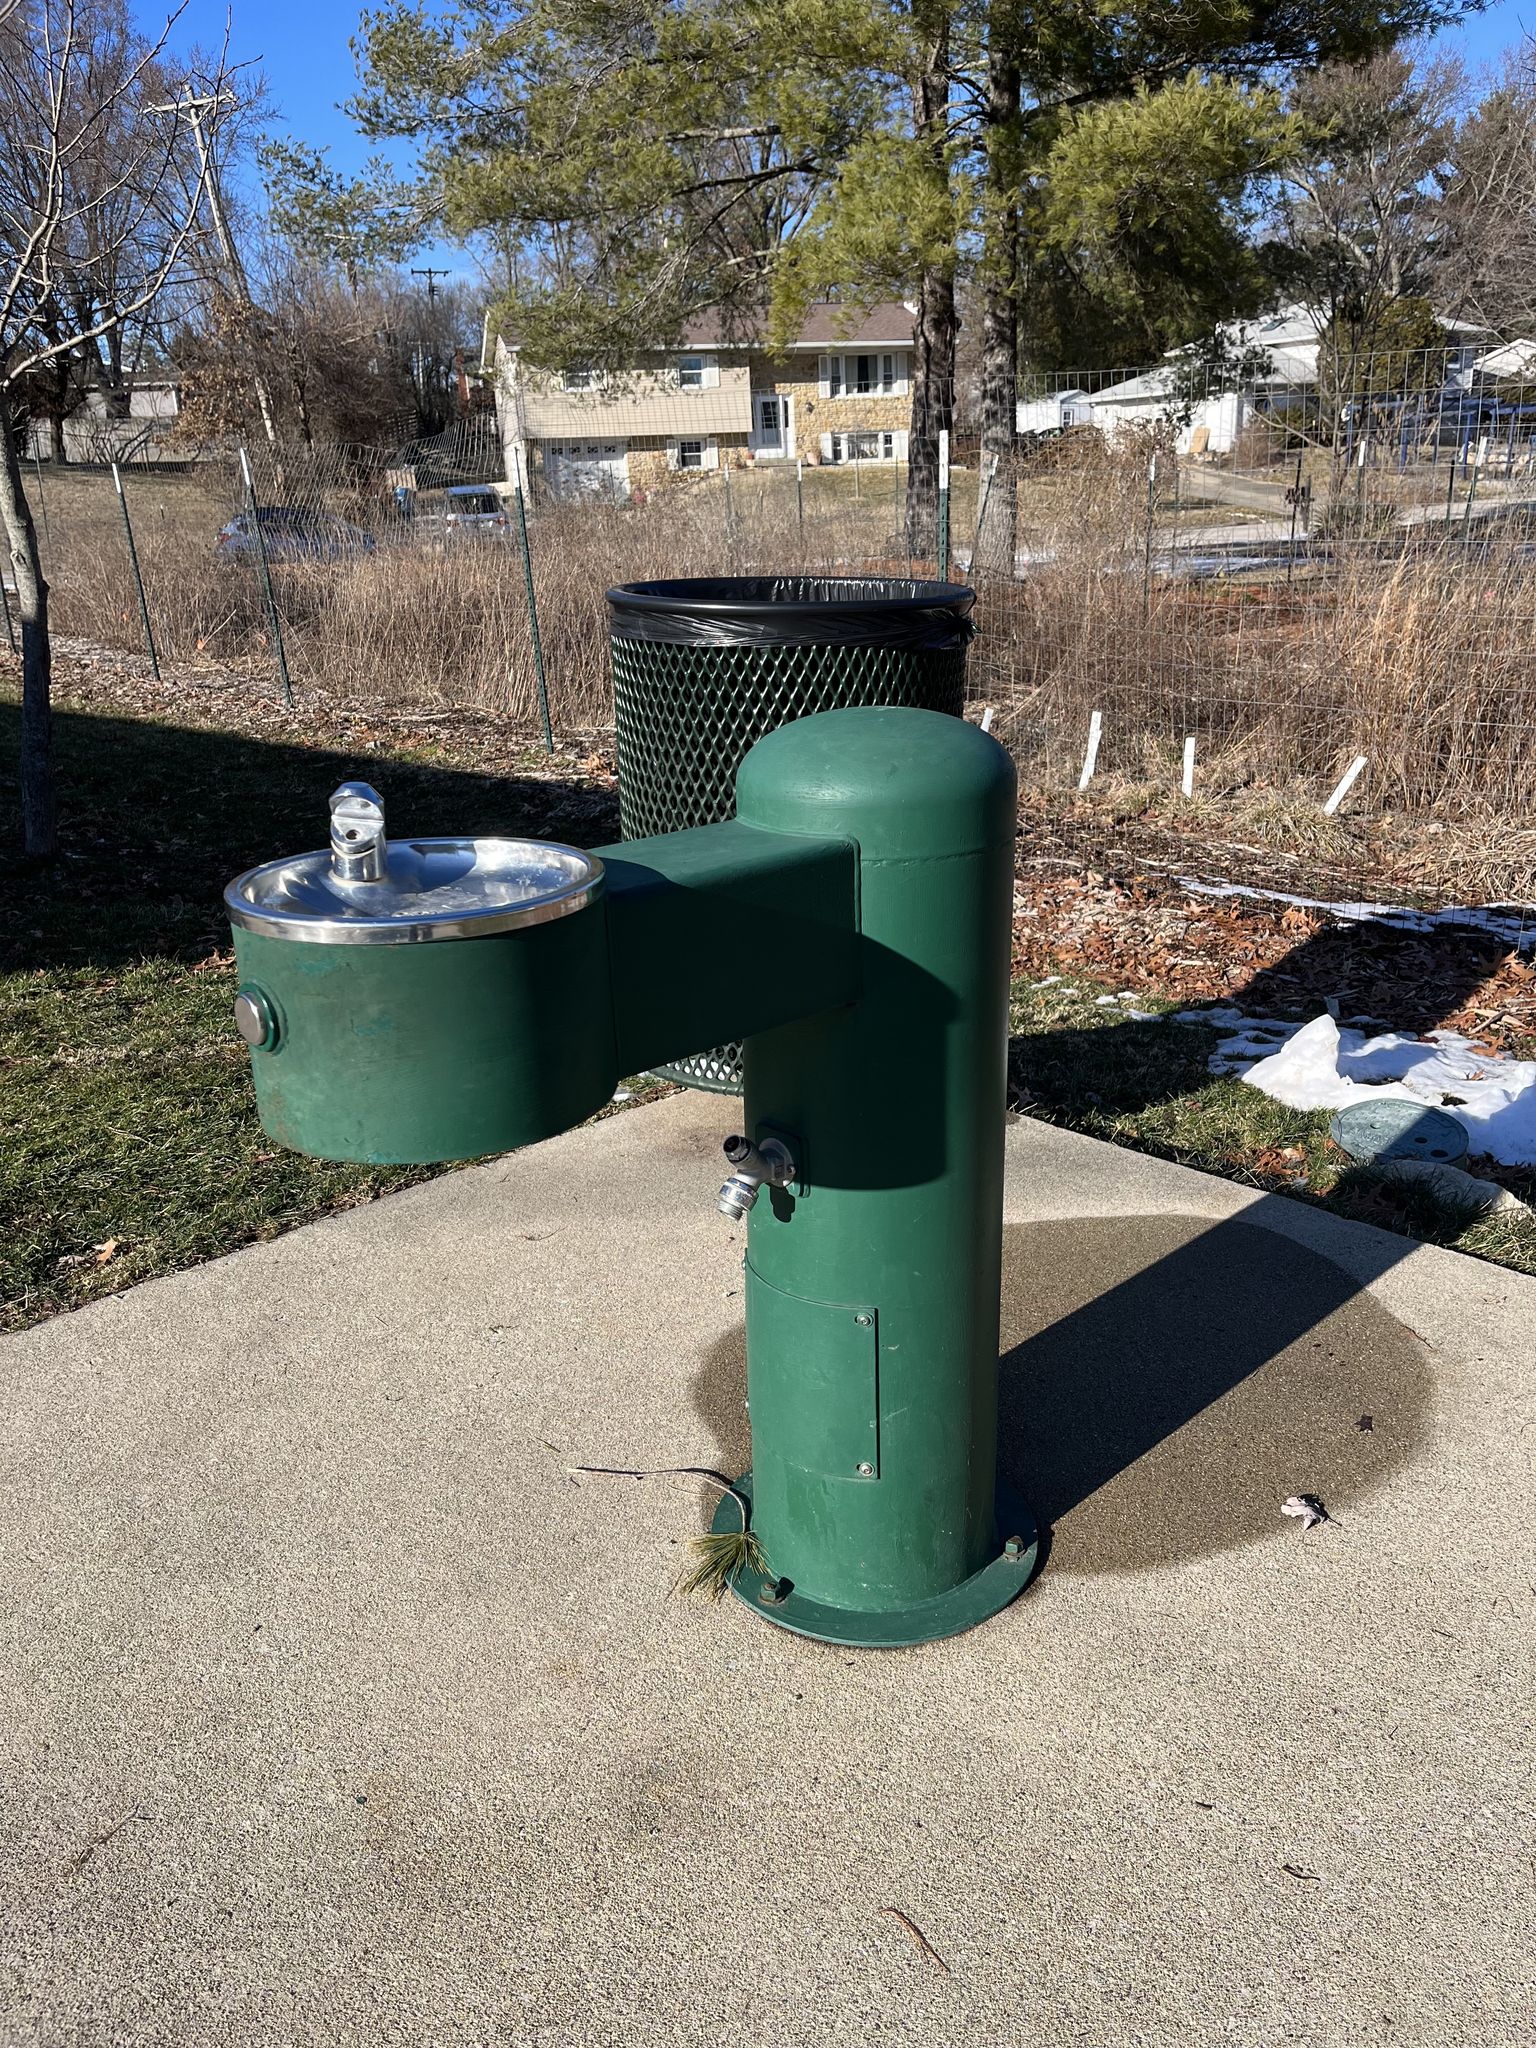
{"x": 463, "y": 512}
{"x": 293, "y": 533}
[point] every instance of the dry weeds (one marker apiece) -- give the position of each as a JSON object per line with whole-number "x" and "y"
{"x": 1423, "y": 662}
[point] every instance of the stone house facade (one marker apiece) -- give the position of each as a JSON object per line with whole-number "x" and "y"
{"x": 839, "y": 393}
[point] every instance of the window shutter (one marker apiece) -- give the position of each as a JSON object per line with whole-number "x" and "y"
{"x": 826, "y": 447}
{"x": 901, "y": 444}
{"x": 711, "y": 453}
{"x": 711, "y": 373}
{"x": 672, "y": 455}
{"x": 824, "y": 378}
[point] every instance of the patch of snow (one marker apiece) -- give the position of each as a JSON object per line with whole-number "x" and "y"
{"x": 1320, "y": 1066}
{"x": 1512, "y": 924}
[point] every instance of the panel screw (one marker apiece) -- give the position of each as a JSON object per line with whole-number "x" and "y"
{"x": 866, "y": 1471}
{"x": 1014, "y": 1547}
{"x": 864, "y": 1321}
{"x": 773, "y": 1592}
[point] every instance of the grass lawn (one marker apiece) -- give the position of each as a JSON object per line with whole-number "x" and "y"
{"x": 129, "y": 1144}
{"x": 1078, "y": 1062}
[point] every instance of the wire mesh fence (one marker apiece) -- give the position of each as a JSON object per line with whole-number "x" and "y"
{"x": 1296, "y": 616}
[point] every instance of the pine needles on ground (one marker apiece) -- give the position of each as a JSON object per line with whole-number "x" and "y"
{"x": 720, "y": 1559}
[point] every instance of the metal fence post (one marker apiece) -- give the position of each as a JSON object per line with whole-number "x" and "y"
{"x": 273, "y": 621}
{"x": 540, "y": 685}
{"x": 138, "y": 579}
{"x": 943, "y": 557}
{"x": 981, "y": 513}
{"x": 800, "y": 493}
{"x": 42, "y": 497}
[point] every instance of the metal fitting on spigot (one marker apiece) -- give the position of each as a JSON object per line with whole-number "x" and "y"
{"x": 357, "y": 833}
{"x": 770, "y": 1164}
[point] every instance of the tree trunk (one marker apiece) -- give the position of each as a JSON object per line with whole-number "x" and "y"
{"x": 933, "y": 406}
{"x": 936, "y": 324}
{"x": 997, "y": 529}
{"x": 37, "y": 799}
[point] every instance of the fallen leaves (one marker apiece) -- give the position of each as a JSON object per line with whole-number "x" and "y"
{"x": 99, "y": 1255}
{"x": 1147, "y": 933}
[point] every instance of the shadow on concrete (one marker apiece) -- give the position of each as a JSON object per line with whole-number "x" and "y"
{"x": 1166, "y": 1382}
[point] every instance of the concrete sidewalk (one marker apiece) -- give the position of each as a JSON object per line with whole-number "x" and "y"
{"x": 336, "y": 1712}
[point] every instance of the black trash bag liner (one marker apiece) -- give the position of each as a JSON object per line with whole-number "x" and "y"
{"x": 898, "y": 612}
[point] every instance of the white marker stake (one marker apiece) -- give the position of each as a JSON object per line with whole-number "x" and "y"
{"x": 1091, "y": 758}
{"x": 986, "y": 719}
{"x": 943, "y": 458}
{"x": 1346, "y": 783}
{"x": 1188, "y": 784}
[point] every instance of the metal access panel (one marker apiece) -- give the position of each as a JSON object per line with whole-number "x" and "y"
{"x": 813, "y": 1384}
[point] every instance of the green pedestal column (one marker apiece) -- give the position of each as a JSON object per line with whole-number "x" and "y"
{"x": 873, "y": 1282}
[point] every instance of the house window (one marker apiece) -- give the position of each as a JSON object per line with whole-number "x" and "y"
{"x": 583, "y": 378}
{"x": 860, "y": 447}
{"x": 690, "y": 454}
{"x": 849, "y": 375}
{"x": 690, "y": 375}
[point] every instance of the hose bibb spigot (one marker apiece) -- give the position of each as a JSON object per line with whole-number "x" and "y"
{"x": 770, "y": 1164}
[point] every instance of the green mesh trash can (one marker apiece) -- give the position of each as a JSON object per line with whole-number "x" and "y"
{"x": 703, "y": 667}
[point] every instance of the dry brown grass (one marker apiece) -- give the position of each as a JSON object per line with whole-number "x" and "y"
{"x": 420, "y": 623}
{"x": 1424, "y": 664}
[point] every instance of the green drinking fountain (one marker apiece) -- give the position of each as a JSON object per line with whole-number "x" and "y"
{"x": 439, "y": 999}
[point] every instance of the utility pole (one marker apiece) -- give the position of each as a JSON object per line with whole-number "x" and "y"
{"x": 193, "y": 107}
{"x": 431, "y": 276}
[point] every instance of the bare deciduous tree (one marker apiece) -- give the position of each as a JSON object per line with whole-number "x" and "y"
{"x": 100, "y": 196}
{"x": 1359, "y": 205}
{"x": 1486, "y": 254}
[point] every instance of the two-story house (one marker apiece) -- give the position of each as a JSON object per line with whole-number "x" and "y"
{"x": 838, "y": 393}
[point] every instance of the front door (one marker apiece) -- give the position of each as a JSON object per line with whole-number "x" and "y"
{"x": 770, "y": 424}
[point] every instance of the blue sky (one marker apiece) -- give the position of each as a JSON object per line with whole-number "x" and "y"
{"x": 1481, "y": 39}
{"x": 303, "y": 48}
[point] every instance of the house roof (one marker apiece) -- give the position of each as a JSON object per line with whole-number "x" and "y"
{"x": 827, "y": 324}
{"x": 1514, "y": 359}
{"x": 1150, "y": 384}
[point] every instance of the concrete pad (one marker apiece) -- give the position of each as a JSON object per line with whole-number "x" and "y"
{"x": 336, "y": 1712}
